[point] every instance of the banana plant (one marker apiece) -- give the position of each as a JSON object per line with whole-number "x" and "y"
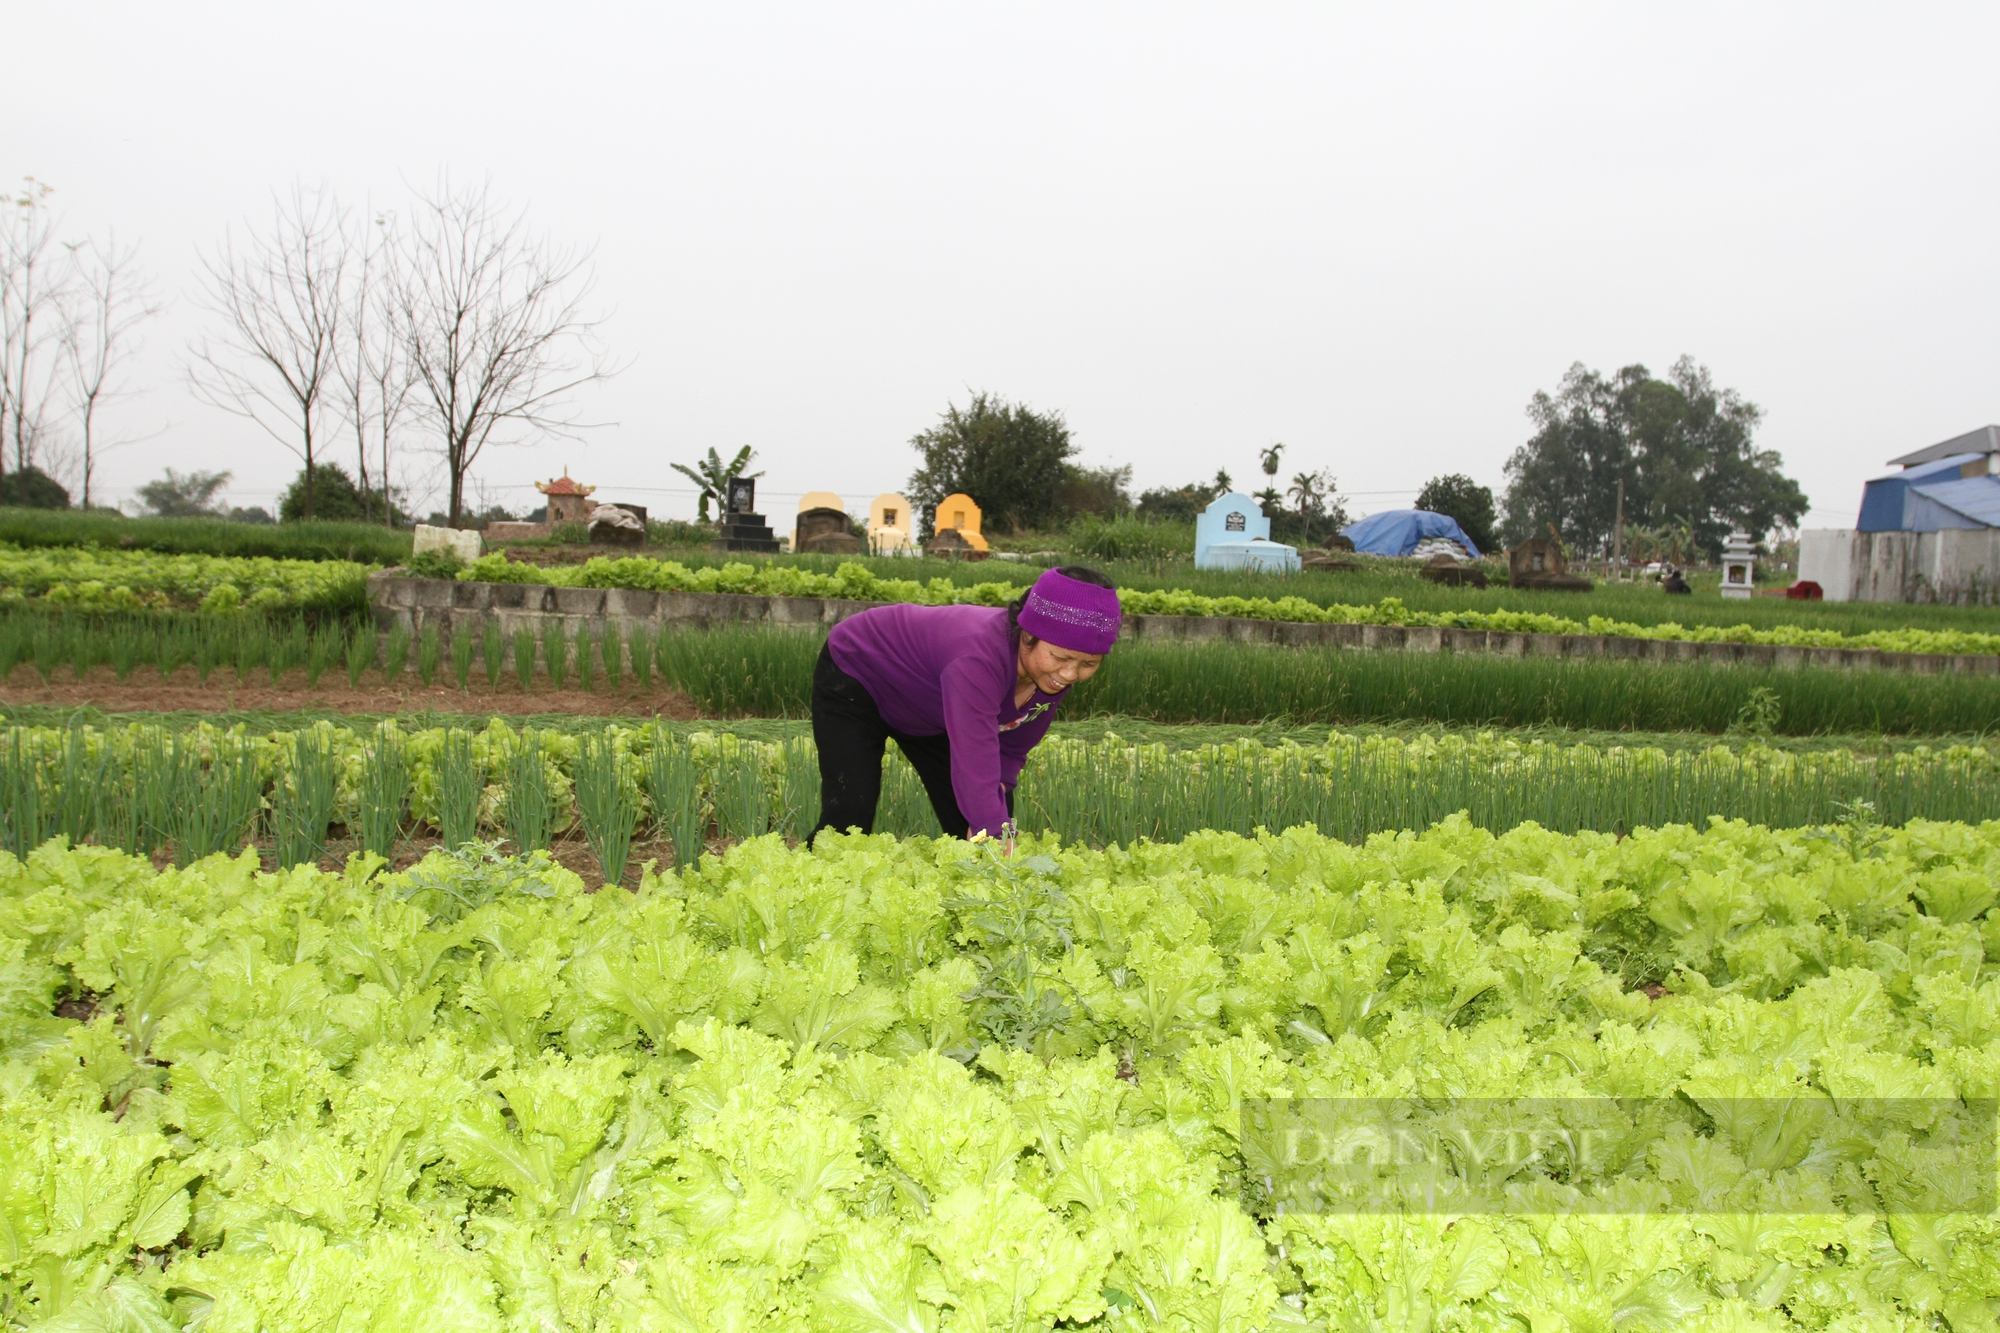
{"x": 714, "y": 476}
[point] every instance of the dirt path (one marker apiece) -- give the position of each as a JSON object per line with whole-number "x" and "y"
{"x": 145, "y": 691}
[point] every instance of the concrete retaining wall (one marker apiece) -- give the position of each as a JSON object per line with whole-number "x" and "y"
{"x": 449, "y": 605}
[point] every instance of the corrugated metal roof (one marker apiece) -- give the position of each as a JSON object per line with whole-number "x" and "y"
{"x": 1978, "y": 498}
{"x": 1940, "y": 469}
{"x": 1985, "y": 440}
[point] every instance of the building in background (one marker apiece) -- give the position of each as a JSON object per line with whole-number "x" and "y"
{"x": 1928, "y": 533}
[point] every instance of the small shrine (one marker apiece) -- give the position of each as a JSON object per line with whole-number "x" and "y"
{"x": 1739, "y": 566}
{"x": 568, "y": 499}
{"x": 889, "y": 525}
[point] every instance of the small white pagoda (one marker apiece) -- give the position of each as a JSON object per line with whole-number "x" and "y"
{"x": 1739, "y": 565}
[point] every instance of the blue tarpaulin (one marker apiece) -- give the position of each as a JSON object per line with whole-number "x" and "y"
{"x": 1398, "y": 531}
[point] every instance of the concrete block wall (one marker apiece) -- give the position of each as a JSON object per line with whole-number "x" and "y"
{"x": 1958, "y": 565}
{"x": 449, "y": 605}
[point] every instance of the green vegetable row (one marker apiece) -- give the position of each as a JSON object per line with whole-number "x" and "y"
{"x": 917, "y": 1086}
{"x": 89, "y": 579}
{"x": 854, "y": 580}
{"x": 201, "y": 791}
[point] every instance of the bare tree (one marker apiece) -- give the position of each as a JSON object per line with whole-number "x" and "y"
{"x": 494, "y": 326}
{"x": 374, "y": 363}
{"x": 112, "y": 299}
{"x": 33, "y": 295}
{"x": 280, "y": 301}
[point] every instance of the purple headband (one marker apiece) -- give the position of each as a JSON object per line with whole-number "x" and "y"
{"x": 1070, "y": 613}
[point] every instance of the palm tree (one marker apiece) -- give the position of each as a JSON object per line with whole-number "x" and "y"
{"x": 1308, "y": 496}
{"x": 714, "y": 476}
{"x": 1270, "y": 459}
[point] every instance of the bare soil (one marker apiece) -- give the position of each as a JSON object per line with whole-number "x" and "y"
{"x": 146, "y": 691}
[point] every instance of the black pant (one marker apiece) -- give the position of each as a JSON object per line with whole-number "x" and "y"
{"x": 850, "y": 733}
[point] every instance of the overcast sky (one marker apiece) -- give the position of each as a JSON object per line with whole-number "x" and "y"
{"x": 1370, "y": 232}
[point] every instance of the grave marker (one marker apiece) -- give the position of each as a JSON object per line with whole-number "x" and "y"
{"x": 889, "y": 525}
{"x": 823, "y": 527}
{"x": 958, "y": 512}
{"x": 1232, "y": 533}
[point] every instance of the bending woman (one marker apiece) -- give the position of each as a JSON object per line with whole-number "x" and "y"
{"x": 966, "y": 691}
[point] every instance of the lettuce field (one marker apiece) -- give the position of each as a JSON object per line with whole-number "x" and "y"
{"x": 912, "y": 1085}
{"x": 346, "y": 1024}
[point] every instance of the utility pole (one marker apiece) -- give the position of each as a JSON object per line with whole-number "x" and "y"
{"x": 1618, "y": 536}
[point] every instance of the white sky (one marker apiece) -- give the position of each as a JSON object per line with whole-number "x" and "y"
{"x": 1370, "y": 232}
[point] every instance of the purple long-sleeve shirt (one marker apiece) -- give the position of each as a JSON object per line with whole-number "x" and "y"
{"x": 950, "y": 670}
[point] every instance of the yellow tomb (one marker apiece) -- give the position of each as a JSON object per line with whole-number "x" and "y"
{"x": 957, "y": 510}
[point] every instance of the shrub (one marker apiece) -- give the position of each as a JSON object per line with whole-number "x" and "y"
{"x": 334, "y": 496}
{"x": 434, "y": 565}
{"x": 32, "y": 488}
{"x": 1129, "y": 538}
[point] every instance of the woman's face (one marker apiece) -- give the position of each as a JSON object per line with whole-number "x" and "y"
{"x": 1054, "y": 669}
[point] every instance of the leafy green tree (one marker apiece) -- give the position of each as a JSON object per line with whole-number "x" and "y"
{"x": 1096, "y": 490}
{"x": 1683, "y": 448}
{"x": 331, "y": 493}
{"x": 1009, "y": 458}
{"x": 713, "y": 476}
{"x": 1180, "y": 504}
{"x": 1463, "y": 500}
{"x": 183, "y": 494}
